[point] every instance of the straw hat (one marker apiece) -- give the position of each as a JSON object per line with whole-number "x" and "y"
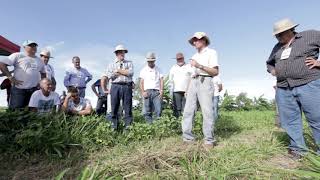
{"x": 46, "y": 52}
{"x": 151, "y": 56}
{"x": 120, "y": 47}
{"x": 199, "y": 35}
{"x": 283, "y": 25}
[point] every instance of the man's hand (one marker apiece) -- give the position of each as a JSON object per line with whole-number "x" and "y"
{"x": 106, "y": 92}
{"x": 194, "y": 63}
{"x": 160, "y": 94}
{"x": 14, "y": 81}
{"x": 273, "y": 72}
{"x": 68, "y": 96}
{"x": 145, "y": 94}
{"x": 311, "y": 62}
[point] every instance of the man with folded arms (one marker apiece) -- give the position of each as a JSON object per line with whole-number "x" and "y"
{"x": 120, "y": 74}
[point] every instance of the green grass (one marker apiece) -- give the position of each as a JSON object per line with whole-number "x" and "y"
{"x": 249, "y": 147}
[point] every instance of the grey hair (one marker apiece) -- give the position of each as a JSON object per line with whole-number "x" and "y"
{"x": 42, "y": 81}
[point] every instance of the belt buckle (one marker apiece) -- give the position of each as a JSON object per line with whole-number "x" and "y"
{"x": 202, "y": 79}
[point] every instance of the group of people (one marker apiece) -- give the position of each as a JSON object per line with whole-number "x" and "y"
{"x": 293, "y": 61}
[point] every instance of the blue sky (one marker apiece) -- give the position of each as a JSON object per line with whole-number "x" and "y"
{"x": 240, "y": 31}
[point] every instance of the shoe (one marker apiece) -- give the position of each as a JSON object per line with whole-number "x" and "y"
{"x": 188, "y": 141}
{"x": 295, "y": 155}
{"x": 208, "y": 146}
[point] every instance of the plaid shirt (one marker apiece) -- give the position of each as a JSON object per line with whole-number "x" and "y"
{"x": 126, "y": 65}
{"x": 292, "y": 72}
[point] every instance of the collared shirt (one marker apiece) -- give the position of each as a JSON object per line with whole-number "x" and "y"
{"x": 151, "y": 77}
{"x": 206, "y": 57}
{"x": 26, "y": 69}
{"x": 49, "y": 71}
{"x": 216, "y": 82}
{"x": 292, "y": 71}
{"x": 125, "y": 65}
{"x": 77, "y": 78}
{"x": 179, "y": 77}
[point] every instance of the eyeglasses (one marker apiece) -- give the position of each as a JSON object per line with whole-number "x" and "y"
{"x": 180, "y": 58}
{"x": 32, "y": 45}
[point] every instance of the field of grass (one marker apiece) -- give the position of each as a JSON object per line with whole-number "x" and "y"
{"x": 249, "y": 147}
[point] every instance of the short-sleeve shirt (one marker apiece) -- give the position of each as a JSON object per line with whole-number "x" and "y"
{"x": 49, "y": 71}
{"x": 179, "y": 77}
{"x": 83, "y": 104}
{"x": 98, "y": 84}
{"x": 151, "y": 77}
{"x": 44, "y": 104}
{"x": 206, "y": 57}
{"x": 26, "y": 69}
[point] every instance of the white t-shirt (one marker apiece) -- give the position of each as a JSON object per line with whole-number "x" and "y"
{"x": 151, "y": 77}
{"x": 216, "y": 81}
{"x": 79, "y": 107}
{"x": 43, "y": 103}
{"x": 179, "y": 76}
{"x": 49, "y": 71}
{"x": 207, "y": 57}
{"x": 26, "y": 69}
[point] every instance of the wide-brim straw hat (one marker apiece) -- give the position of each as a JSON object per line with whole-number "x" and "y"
{"x": 283, "y": 25}
{"x": 120, "y": 48}
{"x": 199, "y": 35}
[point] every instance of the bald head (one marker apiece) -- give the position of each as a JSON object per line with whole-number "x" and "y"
{"x": 46, "y": 85}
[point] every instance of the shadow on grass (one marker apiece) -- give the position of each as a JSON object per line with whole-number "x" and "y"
{"x": 226, "y": 126}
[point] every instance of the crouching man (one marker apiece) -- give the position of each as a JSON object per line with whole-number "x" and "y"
{"x": 44, "y": 100}
{"x": 76, "y": 105}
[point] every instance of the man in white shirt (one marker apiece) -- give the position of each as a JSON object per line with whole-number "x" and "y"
{"x": 28, "y": 70}
{"x": 77, "y": 77}
{"x": 151, "y": 86}
{"x": 200, "y": 89}
{"x": 45, "y": 56}
{"x": 217, "y": 84}
{"x": 179, "y": 77}
{"x": 44, "y": 100}
{"x": 75, "y": 105}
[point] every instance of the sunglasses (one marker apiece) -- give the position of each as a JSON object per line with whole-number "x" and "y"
{"x": 45, "y": 56}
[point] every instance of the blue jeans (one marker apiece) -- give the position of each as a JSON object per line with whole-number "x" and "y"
{"x": 291, "y": 103}
{"x": 216, "y": 100}
{"x": 20, "y": 97}
{"x": 178, "y": 103}
{"x": 121, "y": 92}
{"x": 102, "y": 105}
{"x": 152, "y": 103}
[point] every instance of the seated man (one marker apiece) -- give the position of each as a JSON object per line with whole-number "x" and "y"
{"x": 76, "y": 105}
{"x": 44, "y": 100}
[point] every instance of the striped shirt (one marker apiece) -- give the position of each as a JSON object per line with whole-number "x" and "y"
{"x": 292, "y": 72}
{"x": 126, "y": 65}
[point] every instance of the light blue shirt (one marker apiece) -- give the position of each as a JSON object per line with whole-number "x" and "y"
{"x": 77, "y": 78}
